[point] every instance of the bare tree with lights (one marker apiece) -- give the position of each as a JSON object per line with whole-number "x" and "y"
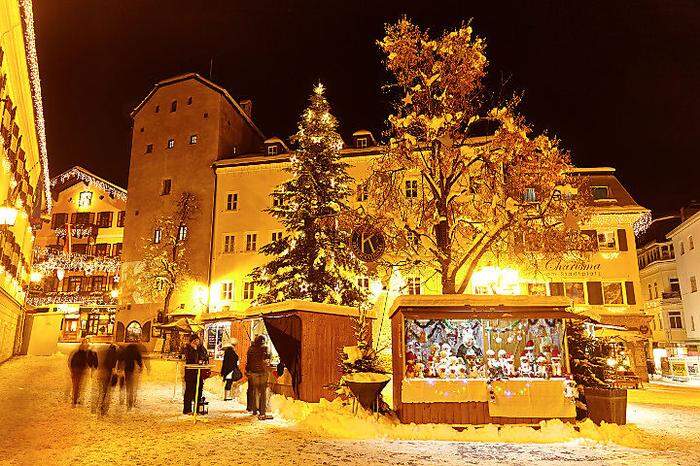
{"x": 446, "y": 199}
{"x": 165, "y": 259}
{"x": 313, "y": 259}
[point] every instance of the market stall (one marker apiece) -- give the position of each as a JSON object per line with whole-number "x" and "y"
{"x": 475, "y": 359}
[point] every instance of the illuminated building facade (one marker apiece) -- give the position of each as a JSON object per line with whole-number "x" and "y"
{"x": 240, "y": 182}
{"x": 24, "y": 170}
{"x": 78, "y": 255}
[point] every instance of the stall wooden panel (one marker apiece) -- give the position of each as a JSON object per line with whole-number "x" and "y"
{"x": 240, "y": 330}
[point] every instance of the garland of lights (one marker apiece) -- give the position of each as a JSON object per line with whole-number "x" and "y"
{"x": 89, "y": 179}
{"x": 35, "y": 84}
{"x": 71, "y": 297}
{"x": 49, "y": 262}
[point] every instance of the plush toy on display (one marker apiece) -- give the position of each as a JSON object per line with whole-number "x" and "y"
{"x": 542, "y": 367}
{"x": 556, "y": 363}
{"x": 525, "y": 366}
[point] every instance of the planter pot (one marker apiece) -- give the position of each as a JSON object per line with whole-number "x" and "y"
{"x": 366, "y": 387}
{"x": 607, "y": 404}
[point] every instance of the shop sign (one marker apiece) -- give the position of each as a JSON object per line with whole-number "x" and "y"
{"x": 560, "y": 268}
{"x": 679, "y": 368}
{"x": 665, "y": 367}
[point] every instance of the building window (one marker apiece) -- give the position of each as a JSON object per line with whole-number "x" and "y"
{"x": 411, "y": 189}
{"x": 276, "y": 236}
{"x": 362, "y": 192}
{"x": 600, "y": 192}
{"x": 193, "y": 139}
{"x": 693, "y": 285}
{"x": 691, "y": 244}
{"x": 189, "y": 101}
{"x": 149, "y": 148}
{"x": 248, "y": 290}
{"x": 206, "y": 115}
{"x": 232, "y": 201}
{"x": 229, "y": 244}
{"x": 99, "y": 283}
{"x": 167, "y": 184}
{"x": 674, "y": 318}
{"x": 182, "y": 232}
{"x": 651, "y": 296}
{"x": 363, "y": 283}
{"x": 277, "y": 200}
{"x": 120, "y": 218}
{"x": 173, "y": 106}
{"x": 117, "y": 249}
{"x": 251, "y": 242}
{"x": 85, "y": 199}
{"x": 656, "y": 290}
{"x": 104, "y": 219}
{"x": 75, "y": 283}
{"x": 157, "y": 236}
{"x": 171, "y": 143}
{"x": 612, "y": 293}
{"x": 59, "y": 220}
{"x": 412, "y": 238}
{"x": 133, "y": 332}
{"x": 227, "y": 291}
{"x": 362, "y": 142}
{"x": 102, "y": 249}
{"x": 606, "y": 240}
{"x": 530, "y": 195}
{"x": 413, "y": 284}
{"x": 537, "y": 289}
{"x": 692, "y": 323}
{"x": 157, "y": 108}
{"x": 272, "y": 149}
{"x": 682, "y": 248}
{"x": 675, "y": 284}
{"x": 574, "y": 291}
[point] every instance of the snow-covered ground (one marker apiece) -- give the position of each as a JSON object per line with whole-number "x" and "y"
{"x": 38, "y": 426}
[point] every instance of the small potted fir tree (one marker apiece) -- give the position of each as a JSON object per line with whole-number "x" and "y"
{"x": 598, "y": 400}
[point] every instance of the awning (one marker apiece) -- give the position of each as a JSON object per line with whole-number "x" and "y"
{"x": 182, "y": 325}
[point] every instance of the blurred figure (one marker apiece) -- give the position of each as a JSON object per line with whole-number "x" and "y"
{"x": 195, "y": 353}
{"x": 129, "y": 358}
{"x": 106, "y": 378}
{"x": 230, "y": 371}
{"x": 257, "y": 366}
{"x": 79, "y": 362}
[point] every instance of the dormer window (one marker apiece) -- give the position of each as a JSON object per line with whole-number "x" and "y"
{"x": 361, "y": 142}
{"x": 363, "y": 139}
{"x": 173, "y": 106}
{"x": 272, "y": 149}
{"x": 600, "y": 192}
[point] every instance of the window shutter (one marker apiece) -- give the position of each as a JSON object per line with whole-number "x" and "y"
{"x": 629, "y": 289}
{"x": 556, "y": 289}
{"x": 595, "y": 292}
{"x": 622, "y": 239}
{"x": 593, "y": 235}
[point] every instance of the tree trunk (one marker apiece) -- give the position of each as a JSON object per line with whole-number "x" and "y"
{"x": 448, "y": 285}
{"x": 166, "y": 301}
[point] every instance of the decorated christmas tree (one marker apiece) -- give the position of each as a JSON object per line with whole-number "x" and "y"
{"x": 313, "y": 259}
{"x": 588, "y": 356}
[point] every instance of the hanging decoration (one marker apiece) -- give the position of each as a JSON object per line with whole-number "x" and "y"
{"x": 49, "y": 262}
{"x": 90, "y": 179}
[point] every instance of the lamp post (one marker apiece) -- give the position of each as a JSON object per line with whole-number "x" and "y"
{"x": 8, "y": 214}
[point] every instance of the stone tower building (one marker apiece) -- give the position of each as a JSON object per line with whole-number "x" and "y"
{"x": 184, "y": 125}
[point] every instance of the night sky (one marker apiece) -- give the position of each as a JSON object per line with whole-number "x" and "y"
{"x": 617, "y": 81}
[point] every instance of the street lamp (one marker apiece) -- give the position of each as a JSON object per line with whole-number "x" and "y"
{"x": 8, "y": 215}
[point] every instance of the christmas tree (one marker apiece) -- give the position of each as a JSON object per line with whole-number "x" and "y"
{"x": 312, "y": 260}
{"x": 587, "y": 355}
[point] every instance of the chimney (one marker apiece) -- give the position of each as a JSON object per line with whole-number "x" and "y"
{"x": 247, "y": 106}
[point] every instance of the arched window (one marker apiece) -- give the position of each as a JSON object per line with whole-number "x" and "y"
{"x": 133, "y": 331}
{"x": 173, "y": 106}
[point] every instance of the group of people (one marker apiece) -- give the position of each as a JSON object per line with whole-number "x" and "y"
{"x": 256, "y": 370}
{"x": 111, "y": 367}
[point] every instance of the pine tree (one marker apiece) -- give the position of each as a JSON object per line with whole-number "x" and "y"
{"x": 312, "y": 260}
{"x": 587, "y": 356}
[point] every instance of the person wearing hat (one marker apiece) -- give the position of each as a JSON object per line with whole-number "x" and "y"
{"x": 230, "y": 371}
{"x": 195, "y": 353}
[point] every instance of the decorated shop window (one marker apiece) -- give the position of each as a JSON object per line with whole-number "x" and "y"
{"x": 537, "y": 289}
{"x": 612, "y": 293}
{"x": 484, "y": 348}
{"x": 574, "y": 291}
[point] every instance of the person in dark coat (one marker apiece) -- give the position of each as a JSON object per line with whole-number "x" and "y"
{"x": 80, "y": 361}
{"x": 131, "y": 360}
{"x": 103, "y": 380}
{"x": 195, "y": 353}
{"x": 230, "y": 371}
{"x": 257, "y": 367}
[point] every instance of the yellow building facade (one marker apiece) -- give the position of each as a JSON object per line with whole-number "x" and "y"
{"x": 24, "y": 170}
{"x": 78, "y": 255}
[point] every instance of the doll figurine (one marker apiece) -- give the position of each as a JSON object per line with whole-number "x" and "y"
{"x": 556, "y": 363}
{"x": 525, "y": 366}
{"x": 541, "y": 368}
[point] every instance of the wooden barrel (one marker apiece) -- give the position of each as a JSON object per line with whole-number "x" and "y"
{"x": 607, "y": 404}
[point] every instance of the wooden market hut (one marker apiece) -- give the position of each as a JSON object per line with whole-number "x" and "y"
{"x": 308, "y": 337}
{"x": 438, "y": 406}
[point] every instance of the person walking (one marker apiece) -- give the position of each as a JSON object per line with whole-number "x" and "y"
{"x": 129, "y": 358}
{"x": 257, "y": 367}
{"x": 105, "y": 378}
{"x": 80, "y": 361}
{"x": 230, "y": 372}
{"x": 195, "y": 353}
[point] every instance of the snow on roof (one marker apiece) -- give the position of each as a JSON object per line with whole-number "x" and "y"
{"x": 300, "y": 305}
{"x": 78, "y": 174}
{"x": 474, "y": 302}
